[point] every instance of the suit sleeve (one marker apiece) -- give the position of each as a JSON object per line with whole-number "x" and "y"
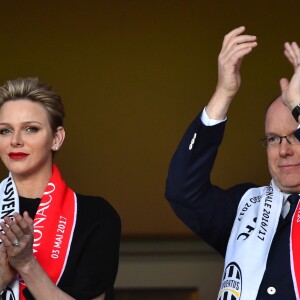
{"x": 206, "y": 209}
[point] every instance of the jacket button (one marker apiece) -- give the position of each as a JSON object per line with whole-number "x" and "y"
{"x": 271, "y": 290}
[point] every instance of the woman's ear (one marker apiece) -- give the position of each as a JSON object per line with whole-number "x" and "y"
{"x": 58, "y": 138}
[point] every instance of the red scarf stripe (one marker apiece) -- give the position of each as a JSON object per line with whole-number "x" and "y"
{"x": 70, "y": 237}
{"x": 295, "y": 250}
{"x": 54, "y": 225}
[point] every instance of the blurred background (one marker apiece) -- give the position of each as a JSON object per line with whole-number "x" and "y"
{"x": 132, "y": 75}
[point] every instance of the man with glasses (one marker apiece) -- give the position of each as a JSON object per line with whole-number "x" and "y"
{"x": 256, "y": 229}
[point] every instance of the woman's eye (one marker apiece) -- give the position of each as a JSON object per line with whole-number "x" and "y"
{"x": 4, "y": 131}
{"x": 32, "y": 129}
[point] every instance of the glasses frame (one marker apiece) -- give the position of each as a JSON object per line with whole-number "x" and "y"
{"x": 291, "y": 138}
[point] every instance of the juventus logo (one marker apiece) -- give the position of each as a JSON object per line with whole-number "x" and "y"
{"x": 231, "y": 287}
{"x": 8, "y": 294}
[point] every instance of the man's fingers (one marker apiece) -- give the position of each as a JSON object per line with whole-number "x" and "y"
{"x": 292, "y": 53}
{"x": 240, "y": 41}
{"x": 231, "y": 34}
{"x": 233, "y": 56}
{"x": 234, "y": 39}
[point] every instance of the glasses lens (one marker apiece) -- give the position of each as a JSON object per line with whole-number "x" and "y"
{"x": 264, "y": 142}
{"x": 276, "y": 140}
{"x": 292, "y": 139}
{"x": 273, "y": 140}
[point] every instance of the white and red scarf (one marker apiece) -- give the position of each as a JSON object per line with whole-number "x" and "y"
{"x": 54, "y": 225}
{"x": 250, "y": 241}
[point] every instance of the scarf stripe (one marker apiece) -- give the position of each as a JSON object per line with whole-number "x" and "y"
{"x": 54, "y": 225}
{"x": 295, "y": 249}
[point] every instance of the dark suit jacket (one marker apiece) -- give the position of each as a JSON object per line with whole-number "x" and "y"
{"x": 210, "y": 211}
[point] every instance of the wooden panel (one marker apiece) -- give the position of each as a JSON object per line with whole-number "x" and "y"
{"x": 133, "y": 74}
{"x": 157, "y": 294}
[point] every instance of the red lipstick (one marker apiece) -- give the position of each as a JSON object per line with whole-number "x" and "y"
{"x": 17, "y": 155}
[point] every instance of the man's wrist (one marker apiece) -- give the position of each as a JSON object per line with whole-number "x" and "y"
{"x": 218, "y": 105}
{"x": 207, "y": 121}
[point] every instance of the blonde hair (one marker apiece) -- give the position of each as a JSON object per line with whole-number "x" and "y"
{"x": 35, "y": 90}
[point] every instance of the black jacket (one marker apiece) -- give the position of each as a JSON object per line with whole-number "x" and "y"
{"x": 210, "y": 211}
{"x": 92, "y": 264}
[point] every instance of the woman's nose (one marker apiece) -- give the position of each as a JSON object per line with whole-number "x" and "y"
{"x": 16, "y": 140}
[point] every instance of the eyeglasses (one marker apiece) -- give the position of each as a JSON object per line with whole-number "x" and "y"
{"x": 276, "y": 140}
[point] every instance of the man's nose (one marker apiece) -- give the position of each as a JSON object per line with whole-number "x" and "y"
{"x": 285, "y": 147}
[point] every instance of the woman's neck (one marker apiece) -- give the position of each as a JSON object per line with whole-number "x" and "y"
{"x": 31, "y": 186}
